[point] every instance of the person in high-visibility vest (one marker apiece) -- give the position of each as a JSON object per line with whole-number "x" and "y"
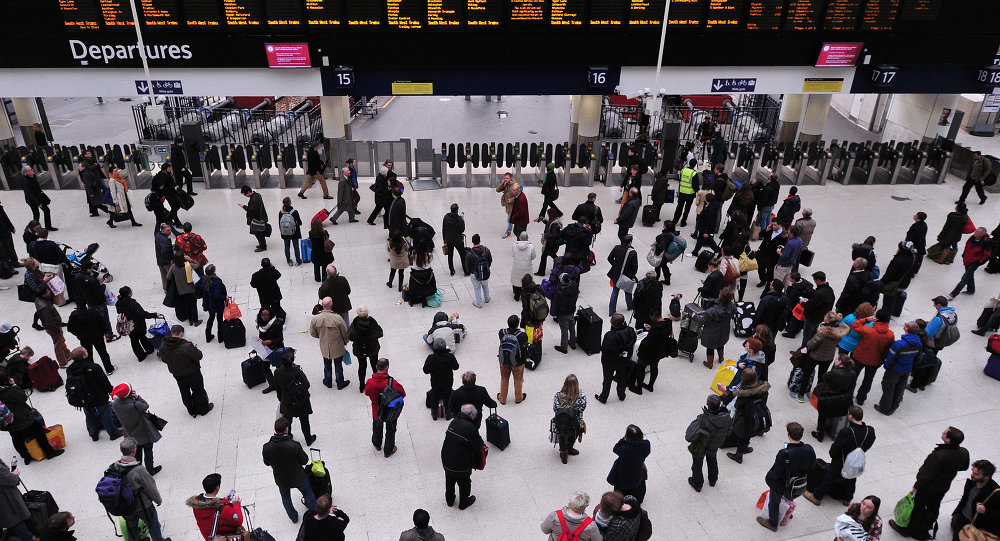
{"x": 686, "y": 192}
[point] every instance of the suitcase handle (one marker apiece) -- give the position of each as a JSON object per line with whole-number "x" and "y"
{"x": 318, "y": 452}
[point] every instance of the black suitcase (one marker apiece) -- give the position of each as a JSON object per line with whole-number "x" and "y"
{"x": 497, "y": 431}
{"x": 743, "y": 319}
{"x": 236, "y": 334}
{"x": 254, "y": 370}
{"x": 927, "y": 372}
{"x": 701, "y": 264}
{"x": 319, "y": 485}
{"x": 687, "y": 343}
{"x": 650, "y": 215}
{"x": 840, "y": 489}
{"x": 589, "y": 330}
{"x": 41, "y": 506}
{"x": 806, "y": 257}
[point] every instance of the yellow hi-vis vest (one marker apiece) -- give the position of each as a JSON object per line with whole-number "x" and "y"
{"x": 687, "y": 174}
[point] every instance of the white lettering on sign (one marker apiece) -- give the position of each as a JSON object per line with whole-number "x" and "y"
{"x": 106, "y": 53}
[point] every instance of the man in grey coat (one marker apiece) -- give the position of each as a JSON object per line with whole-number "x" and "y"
{"x": 716, "y": 420}
{"x": 131, "y": 411}
{"x": 145, "y": 491}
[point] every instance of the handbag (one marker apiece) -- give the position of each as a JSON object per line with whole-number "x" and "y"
{"x": 232, "y": 310}
{"x": 56, "y": 285}
{"x": 480, "y": 463}
{"x": 25, "y": 294}
{"x": 156, "y": 420}
{"x": 799, "y": 312}
{"x": 971, "y": 533}
{"x": 625, "y": 283}
{"x": 747, "y": 263}
{"x": 347, "y": 357}
{"x": 258, "y": 226}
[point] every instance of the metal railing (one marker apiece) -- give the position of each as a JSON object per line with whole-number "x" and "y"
{"x": 233, "y": 126}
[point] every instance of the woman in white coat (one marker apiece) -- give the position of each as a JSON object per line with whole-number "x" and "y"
{"x": 119, "y": 194}
{"x": 524, "y": 254}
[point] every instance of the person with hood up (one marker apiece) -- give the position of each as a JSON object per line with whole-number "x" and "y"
{"x": 750, "y": 391}
{"x": 820, "y": 351}
{"x": 131, "y": 410}
{"x": 716, "y": 320}
{"x": 215, "y": 514}
{"x": 523, "y": 254}
{"x": 789, "y": 207}
{"x": 364, "y": 334}
{"x": 871, "y": 351}
{"x": 440, "y": 366}
{"x": 550, "y": 191}
{"x": 715, "y": 418}
{"x": 903, "y": 355}
{"x": 459, "y": 455}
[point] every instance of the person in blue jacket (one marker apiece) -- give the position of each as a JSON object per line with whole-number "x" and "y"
{"x": 903, "y": 354}
{"x": 628, "y": 474}
{"x": 212, "y": 293}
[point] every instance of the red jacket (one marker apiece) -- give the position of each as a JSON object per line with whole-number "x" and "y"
{"x": 230, "y": 519}
{"x": 519, "y": 212}
{"x": 375, "y": 385}
{"x": 976, "y": 251}
{"x": 874, "y": 343}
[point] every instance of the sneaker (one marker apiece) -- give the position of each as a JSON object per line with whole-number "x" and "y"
{"x": 268, "y": 389}
{"x": 950, "y": 297}
{"x": 505, "y": 235}
{"x": 694, "y": 486}
{"x": 487, "y": 300}
{"x": 113, "y": 368}
{"x": 796, "y": 396}
{"x": 112, "y": 338}
{"x": 598, "y": 397}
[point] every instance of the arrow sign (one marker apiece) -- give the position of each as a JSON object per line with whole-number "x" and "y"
{"x": 160, "y": 88}
{"x": 734, "y": 85}
{"x": 141, "y": 87}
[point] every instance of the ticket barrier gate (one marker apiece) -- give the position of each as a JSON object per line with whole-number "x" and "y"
{"x": 212, "y": 170}
{"x": 138, "y": 168}
{"x": 744, "y": 162}
{"x": 788, "y": 168}
{"x": 768, "y": 161}
{"x": 863, "y": 168}
{"x": 236, "y": 165}
{"x": 260, "y": 166}
{"x": 842, "y": 157}
{"x": 286, "y": 159}
{"x": 815, "y": 167}
{"x": 885, "y": 160}
{"x": 939, "y": 161}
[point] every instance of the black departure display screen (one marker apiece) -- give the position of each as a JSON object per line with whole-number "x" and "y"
{"x": 283, "y": 14}
{"x": 685, "y": 13}
{"x": 115, "y": 13}
{"x": 880, "y": 15}
{"x": 526, "y": 12}
{"x": 406, "y": 14}
{"x": 647, "y": 12}
{"x": 202, "y": 13}
{"x": 570, "y": 13}
{"x": 243, "y": 13}
{"x": 607, "y": 13}
{"x": 803, "y": 15}
{"x": 445, "y": 13}
{"x": 723, "y": 14}
{"x": 842, "y": 15}
{"x": 480, "y": 13}
{"x": 765, "y": 15}
{"x": 323, "y": 13}
{"x": 159, "y": 13}
{"x": 922, "y": 10}
{"x": 364, "y": 13}
{"x": 80, "y": 14}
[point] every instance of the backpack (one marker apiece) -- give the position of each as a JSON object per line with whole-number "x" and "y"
{"x": 78, "y": 392}
{"x": 794, "y": 485}
{"x": 947, "y": 335}
{"x": 286, "y": 224}
{"x": 482, "y": 266}
{"x": 566, "y": 534}
{"x": 567, "y": 293}
{"x": 149, "y": 201}
{"x": 298, "y": 392}
{"x": 510, "y": 349}
{"x": 565, "y": 421}
{"x": 390, "y": 403}
{"x": 676, "y": 248}
{"x": 115, "y": 492}
{"x": 761, "y": 417}
{"x": 538, "y": 307}
{"x": 699, "y": 442}
{"x": 6, "y": 417}
{"x": 854, "y": 462}
{"x": 125, "y": 326}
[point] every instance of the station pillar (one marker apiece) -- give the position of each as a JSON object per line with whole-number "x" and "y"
{"x": 585, "y": 122}
{"x": 788, "y": 117}
{"x": 336, "y": 113}
{"x": 920, "y": 116}
{"x": 27, "y": 113}
{"x": 814, "y": 120}
{"x": 6, "y": 131}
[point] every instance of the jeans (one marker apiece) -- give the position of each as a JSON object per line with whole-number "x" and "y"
{"x": 148, "y": 515}
{"x": 505, "y": 373}
{"x": 212, "y": 318}
{"x": 809, "y": 329}
{"x": 866, "y": 383}
{"x": 773, "y": 503}
{"x": 464, "y": 482}
{"x": 482, "y": 291}
{"x": 102, "y": 350}
{"x": 141, "y": 345}
{"x": 613, "y": 305}
{"x": 567, "y": 331}
{"x": 713, "y": 468}
{"x": 390, "y": 435}
{"x": 292, "y": 243}
{"x": 764, "y": 217}
{"x": 329, "y": 368}
{"x": 510, "y": 226}
{"x": 893, "y": 389}
{"x": 286, "y": 499}
{"x": 684, "y": 201}
{"x": 21, "y": 531}
{"x": 193, "y": 395}
{"x": 968, "y": 280}
{"x": 98, "y": 418}
{"x": 461, "y": 257}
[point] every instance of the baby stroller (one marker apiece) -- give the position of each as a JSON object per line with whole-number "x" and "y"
{"x": 8, "y": 339}
{"x": 421, "y": 286}
{"x": 76, "y": 260}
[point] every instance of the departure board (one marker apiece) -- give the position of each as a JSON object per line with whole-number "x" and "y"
{"x": 115, "y": 13}
{"x": 322, "y": 13}
{"x": 364, "y": 13}
{"x": 765, "y": 15}
{"x": 568, "y": 12}
{"x": 842, "y": 15}
{"x": 202, "y": 13}
{"x": 483, "y": 12}
{"x": 724, "y": 14}
{"x": 880, "y": 15}
{"x": 444, "y": 13}
{"x": 527, "y": 11}
{"x": 406, "y": 14}
{"x": 283, "y": 14}
{"x": 647, "y": 12}
{"x": 243, "y": 13}
{"x": 159, "y": 13}
{"x": 80, "y": 14}
{"x": 803, "y": 14}
{"x": 685, "y": 13}
{"x": 921, "y": 10}
{"x": 607, "y": 13}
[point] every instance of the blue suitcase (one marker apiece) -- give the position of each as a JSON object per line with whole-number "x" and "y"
{"x": 993, "y": 366}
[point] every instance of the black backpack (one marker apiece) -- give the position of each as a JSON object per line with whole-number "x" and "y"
{"x": 297, "y": 390}
{"x": 482, "y": 266}
{"x": 699, "y": 443}
{"x": 761, "y": 417}
{"x": 567, "y": 295}
{"x": 78, "y": 392}
{"x": 390, "y": 402}
{"x": 565, "y": 421}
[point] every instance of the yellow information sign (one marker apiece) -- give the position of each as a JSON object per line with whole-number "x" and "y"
{"x": 823, "y": 85}
{"x": 412, "y": 88}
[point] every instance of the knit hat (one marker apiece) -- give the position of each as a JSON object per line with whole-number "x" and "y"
{"x": 121, "y": 390}
{"x": 551, "y": 167}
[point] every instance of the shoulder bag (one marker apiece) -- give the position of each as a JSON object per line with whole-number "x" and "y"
{"x": 970, "y": 533}
{"x": 625, "y": 283}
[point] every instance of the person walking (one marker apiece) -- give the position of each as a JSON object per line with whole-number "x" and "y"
{"x": 265, "y": 281}
{"x": 628, "y": 213}
{"x": 460, "y": 453}
{"x": 706, "y": 434}
{"x": 617, "y": 348}
{"x": 513, "y": 354}
{"x": 364, "y": 334}
{"x": 686, "y": 192}
{"x": 164, "y": 189}
{"x": 144, "y": 490}
{"x": 88, "y": 388}
{"x": 470, "y": 393}
{"x": 628, "y": 473}
{"x": 659, "y": 331}
{"x": 345, "y": 197}
{"x": 338, "y": 289}
{"x": 212, "y": 292}
{"x": 86, "y": 325}
{"x": 567, "y": 422}
{"x": 795, "y": 460}
{"x": 36, "y": 198}
{"x": 383, "y": 194}
{"x": 132, "y": 321}
{"x": 871, "y": 351}
{"x": 256, "y": 217}
{"x": 290, "y": 227}
{"x": 421, "y": 530}
{"x": 980, "y": 169}
{"x": 453, "y": 236}
{"x": 954, "y": 227}
{"x": 624, "y": 262}
{"x": 184, "y": 363}
{"x": 478, "y": 260}
{"x": 976, "y": 254}
{"x": 314, "y": 172}
{"x": 331, "y": 331}
{"x": 933, "y": 481}
{"x": 178, "y": 162}
{"x": 133, "y": 413}
{"x": 292, "y": 388}
{"x": 550, "y": 240}
{"x": 440, "y": 366}
{"x": 119, "y": 195}
{"x": 550, "y": 191}
{"x": 707, "y": 223}
{"x": 903, "y": 355}
{"x": 522, "y": 254}
{"x": 286, "y": 457}
{"x": 589, "y": 210}
{"x": 321, "y": 252}
{"x": 373, "y": 389}
{"x": 856, "y": 435}
{"x": 980, "y": 504}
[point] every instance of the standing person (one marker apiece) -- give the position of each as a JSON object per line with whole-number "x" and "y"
{"x": 88, "y": 388}
{"x": 917, "y": 234}
{"x": 976, "y": 254}
{"x": 212, "y": 292}
{"x": 345, "y": 197}
{"x": 712, "y": 284}
{"x": 453, "y": 235}
{"x": 513, "y": 353}
{"x": 628, "y": 473}
{"x": 871, "y": 351}
{"x": 36, "y": 198}
{"x": 256, "y": 214}
{"x": 470, "y": 393}
{"x": 383, "y": 196}
{"x": 119, "y": 194}
{"x": 617, "y": 347}
{"x": 579, "y": 236}
{"x": 478, "y": 260}
{"x": 271, "y": 335}
{"x": 624, "y": 262}
{"x": 628, "y": 213}
{"x": 86, "y": 325}
{"x": 853, "y": 293}
{"x": 903, "y": 355}
{"x": 25, "y": 425}
{"x": 896, "y": 277}
{"x": 979, "y": 169}
{"x": 714, "y": 419}
{"x": 773, "y": 307}
{"x": 314, "y": 172}
{"x": 589, "y": 209}
{"x": 856, "y": 435}
{"x": 440, "y": 366}
{"x": 707, "y": 224}
{"x": 767, "y": 199}
{"x": 661, "y": 186}
{"x": 980, "y": 505}
{"x": 364, "y": 334}
{"x": 460, "y": 453}
{"x": 286, "y": 457}
{"x": 648, "y": 299}
{"x": 751, "y": 390}
{"x": 352, "y": 168}
{"x": 716, "y": 330}
{"x": 180, "y": 276}
{"x": 214, "y": 514}
{"x": 143, "y": 489}
{"x": 550, "y": 191}
{"x": 838, "y": 382}
{"x": 519, "y": 215}
{"x": 329, "y": 327}
{"x": 816, "y": 306}
{"x": 399, "y": 257}
{"x": 564, "y": 309}
{"x": 91, "y": 290}
{"x": 327, "y": 523}
{"x": 184, "y": 363}
{"x": 14, "y": 515}
{"x": 567, "y": 424}
{"x": 807, "y": 226}
{"x": 522, "y": 254}
{"x": 373, "y": 388}
{"x": 572, "y": 520}
{"x": 38, "y": 284}
{"x": 178, "y": 162}
{"x": 789, "y": 207}
{"x": 164, "y": 249}
{"x": 132, "y": 411}
{"x": 320, "y": 256}
{"x": 933, "y": 481}
{"x": 550, "y": 240}
{"x": 265, "y": 281}
{"x": 52, "y": 324}
{"x": 794, "y": 460}
{"x": 94, "y": 187}
{"x": 820, "y": 351}
{"x": 789, "y": 255}
{"x": 505, "y": 189}
{"x": 421, "y": 530}
{"x": 768, "y": 253}
{"x": 51, "y": 259}
{"x": 338, "y": 289}
{"x": 686, "y": 192}
{"x": 290, "y": 227}
{"x": 662, "y": 243}
{"x": 798, "y": 289}
{"x": 7, "y": 230}
{"x": 650, "y": 353}
{"x": 292, "y": 388}
{"x": 164, "y": 189}
{"x": 396, "y": 213}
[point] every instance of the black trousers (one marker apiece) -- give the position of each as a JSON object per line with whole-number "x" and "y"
{"x": 102, "y": 350}
{"x": 363, "y": 362}
{"x": 304, "y": 423}
{"x": 37, "y": 432}
{"x": 379, "y": 206}
{"x": 614, "y": 372}
{"x": 390, "y": 435}
{"x": 141, "y": 345}
{"x": 958, "y": 521}
{"x": 967, "y": 187}
{"x": 461, "y": 257}
{"x": 566, "y": 441}
{"x": 193, "y": 395}
{"x": 926, "y": 506}
{"x": 683, "y": 208}
{"x": 546, "y": 203}
{"x": 261, "y": 239}
{"x": 546, "y": 253}
{"x": 184, "y": 177}
{"x": 464, "y": 482}
{"x": 45, "y": 211}
{"x": 639, "y": 492}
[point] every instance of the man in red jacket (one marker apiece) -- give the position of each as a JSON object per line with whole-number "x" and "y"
{"x": 207, "y": 505}
{"x": 977, "y": 253}
{"x": 519, "y": 217}
{"x": 873, "y": 347}
{"x": 373, "y": 388}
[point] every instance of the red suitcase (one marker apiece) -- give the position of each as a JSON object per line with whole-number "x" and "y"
{"x": 44, "y": 374}
{"x": 321, "y": 216}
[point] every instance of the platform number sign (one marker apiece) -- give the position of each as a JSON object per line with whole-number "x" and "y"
{"x": 989, "y": 76}
{"x": 884, "y": 76}
{"x": 343, "y": 77}
{"x": 597, "y": 77}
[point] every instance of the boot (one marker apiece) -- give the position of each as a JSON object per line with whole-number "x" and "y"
{"x": 563, "y": 457}
{"x": 737, "y": 457}
{"x": 708, "y": 363}
{"x": 153, "y": 470}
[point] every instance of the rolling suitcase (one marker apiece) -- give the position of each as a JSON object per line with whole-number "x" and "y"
{"x": 687, "y": 343}
{"x": 44, "y": 374}
{"x": 806, "y": 257}
{"x": 650, "y": 215}
{"x": 689, "y": 318}
{"x": 992, "y": 368}
{"x": 497, "y": 431}
{"x": 253, "y": 371}
{"x": 318, "y": 475}
{"x": 588, "y": 330}
{"x": 743, "y": 319}
{"x": 701, "y": 264}
{"x": 235, "y": 335}
{"x": 41, "y": 506}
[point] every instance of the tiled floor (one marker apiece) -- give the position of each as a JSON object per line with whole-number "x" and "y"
{"x": 526, "y": 481}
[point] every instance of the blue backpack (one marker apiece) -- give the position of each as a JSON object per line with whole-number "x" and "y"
{"x": 115, "y": 492}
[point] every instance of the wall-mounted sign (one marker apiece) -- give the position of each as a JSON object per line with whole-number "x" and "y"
{"x": 418, "y": 88}
{"x": 287, "y": 55}
{"x": 734, "y": 85}
{"x": 839, "y": 55}
{"x": 823, "y": 85}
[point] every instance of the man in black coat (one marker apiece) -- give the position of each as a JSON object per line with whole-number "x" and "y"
{"x": 629, "y": 212}
{"x": 591, "y": 211}
{"x": 978, "y": 488}
{"x": 164, "y": 249}
{"x": 767, "y": 253}
{"x": 714, "y": 418}
{"x": 7, "y": 230}
{"x": 184, "y": 363}
{"x": 90, "y": 290}
{"x": 800, "y": 457}
{"x": 933, "y": 481}
{"x": 616, "y": 350}
{"x": 178, "y": 162}
{"x": 85, "y": 374}
{"x": 711, "y": 286}
{"x": 459, "y": 455}
{"x": 773, "y": 307}
{"x": 897, "y": 275}
{"x": 856, "y": 434}
{"x": 255, "y": 211}
{"x": 36, "y": 198}
{"x": 90, "y": 178}
{"x": 853, "y": 293}
{"x": 648, "y": 298}
{"x": 453, "y": 235}
{"x": 88, "y": 327}
{"x": 578, "y": 237}
{"x": 470, "y": 393}
{"x": 766, "y": 197}
{"x": 265, "y": 281}
{"x": 285, "y": 457}
{"x": 917, "y": 234}
{"x": 798, "y": 287}
{"x": 624, "y": 262}
{"x": 820, "y": 302}
{"x": 652, "y": 349}
{"x": 163, "y": 184}
{"x": 707, "y": 225}
{"x": 397, "y": 213}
